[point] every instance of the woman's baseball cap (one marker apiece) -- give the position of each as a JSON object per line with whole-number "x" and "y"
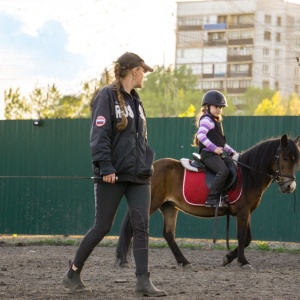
{"x": 130, "y": 60}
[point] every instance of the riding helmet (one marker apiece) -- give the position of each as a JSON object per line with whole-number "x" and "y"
{"x": 214, "y": 97}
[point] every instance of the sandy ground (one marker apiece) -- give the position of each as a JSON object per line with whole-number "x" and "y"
{"x": 30, "y": 271}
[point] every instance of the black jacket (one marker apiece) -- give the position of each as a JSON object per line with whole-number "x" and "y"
{"x": 126, "y": 152}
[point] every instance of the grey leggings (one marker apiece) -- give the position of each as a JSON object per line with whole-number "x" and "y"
{"x": 107, "y": 200}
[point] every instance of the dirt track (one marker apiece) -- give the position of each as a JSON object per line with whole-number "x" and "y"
{"x": 34, "y": 272}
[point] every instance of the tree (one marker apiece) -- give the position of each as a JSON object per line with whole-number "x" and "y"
{"x": 44, "y": 102}
{"x": 16, "y": 107}
{"x": 253, "y": 96}
{"x": 167, "y": 92}
{"x": 190, "y": 112}
{"x": 273, "y": 107}
{"x": 293, "y": 105}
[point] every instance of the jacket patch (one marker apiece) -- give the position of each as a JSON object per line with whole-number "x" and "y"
{"x": 100, "y": 121}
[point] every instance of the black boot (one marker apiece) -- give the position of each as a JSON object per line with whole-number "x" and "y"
{"x": 213, "y": 200}
{"x": 72, "y": 280}
{"x": 145, "y": 287}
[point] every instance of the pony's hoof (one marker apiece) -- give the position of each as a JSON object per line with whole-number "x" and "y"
{"x": 188, "y": 267}
{"x": 225, "y": 261}
{"x": 125, "y": 266}
{"x": 247, "y": 267}
{"x": 119, "y": 264}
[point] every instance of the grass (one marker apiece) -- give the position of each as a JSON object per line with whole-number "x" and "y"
{"x": 111, "y": 241}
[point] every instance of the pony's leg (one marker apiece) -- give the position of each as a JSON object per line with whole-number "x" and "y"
{"x": 124, "y": 241}
{"x": 244, "y": 238}
{"x": 170, "y": 213}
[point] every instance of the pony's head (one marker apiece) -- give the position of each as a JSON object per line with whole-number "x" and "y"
{"x": 286, "y": 160}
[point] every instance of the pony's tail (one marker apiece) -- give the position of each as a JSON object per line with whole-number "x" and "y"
{"x": 124, "y": 242}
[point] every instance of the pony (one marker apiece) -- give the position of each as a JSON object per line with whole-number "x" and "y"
{"x": 272, "y": 160}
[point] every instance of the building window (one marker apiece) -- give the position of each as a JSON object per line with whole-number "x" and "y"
{"x": 297, "y": 88}
{"x": 190, "y": 21}
{"x": 265, "y": 84}
{"x": 278, "y": 21}
{"x": 298, "y": 40}
{"x": 265, "y": 68}
{"x": 276, "y": 85}
{"x": 189, "y": 37}
{"x": 278, "y": 37}
{"x": 233, "y": 84}
{"x": 242, "y": 69}
{"x": 277, "y": 69}
{"x": 266, "y": 52}
{"x": 240, "y": 51}
{"x": 196, "y": 68}
{"x": 208, "y": 85}
{"x": 236, "y": 35}
{"x": 290, "y": 21}
{"x": 267, "y": 35}
{"x": 277, "y": 52}
{"x": 268, "y": 19}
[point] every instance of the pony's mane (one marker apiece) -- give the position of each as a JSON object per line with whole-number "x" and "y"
{"x": 260, "y": 157}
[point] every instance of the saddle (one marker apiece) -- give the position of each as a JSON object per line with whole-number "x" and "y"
{"x": 197, "y": 165}
{"x": 198, "y": 180}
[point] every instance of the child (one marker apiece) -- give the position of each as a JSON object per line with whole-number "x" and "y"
{"x": 212, "y": 142}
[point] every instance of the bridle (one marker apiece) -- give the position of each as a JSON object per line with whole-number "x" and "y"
{"x": 278, "y": 176}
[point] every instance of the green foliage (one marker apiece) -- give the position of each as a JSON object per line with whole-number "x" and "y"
{"x": 16, "y": 107}
{"x": 168, "y": 93}
{"x": 46, "y": 103}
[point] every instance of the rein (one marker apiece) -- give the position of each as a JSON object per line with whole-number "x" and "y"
{"x": 278, "y": 176}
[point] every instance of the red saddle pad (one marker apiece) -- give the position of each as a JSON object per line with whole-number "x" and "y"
{"x": 195, "y": 190}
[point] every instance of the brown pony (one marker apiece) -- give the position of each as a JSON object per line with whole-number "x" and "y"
{"x": 268, "y": 161}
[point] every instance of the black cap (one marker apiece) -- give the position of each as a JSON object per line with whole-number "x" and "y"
{"x": 130, "y": 60}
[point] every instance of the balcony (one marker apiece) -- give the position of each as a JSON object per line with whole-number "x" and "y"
{"x": 213, "y": 75}
{"x": 189, "y": 27}
{"x": 215, "y": 43}
{"x": 218, "y": 26}
{"x": 239, "y": 58}
{"x": 239, "y": 26}
{"x": 236, "y": 90}
{"x": 240, "y": 42}
{"x": 239, "y": 74}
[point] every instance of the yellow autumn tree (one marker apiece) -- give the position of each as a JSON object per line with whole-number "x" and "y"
{"x": 273, "y": 107}
{"x": 294, "y": 105}
{"x": 190, "y": 112}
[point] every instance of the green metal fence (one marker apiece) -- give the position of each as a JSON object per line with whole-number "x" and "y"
{"x": 66, "y": 206}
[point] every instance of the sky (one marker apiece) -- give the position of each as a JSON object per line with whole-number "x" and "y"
{"x": 69, "y": 42}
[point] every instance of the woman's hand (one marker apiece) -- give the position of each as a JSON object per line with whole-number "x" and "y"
{"x": 110, "y": 178}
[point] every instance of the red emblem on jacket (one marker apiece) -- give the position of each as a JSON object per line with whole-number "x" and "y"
{"x": 100, "y": 121}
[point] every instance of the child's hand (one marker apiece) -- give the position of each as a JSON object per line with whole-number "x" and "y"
{"x": 219, "y": 151}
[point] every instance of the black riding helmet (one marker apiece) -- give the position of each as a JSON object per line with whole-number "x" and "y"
{"x": 214, "y": 97}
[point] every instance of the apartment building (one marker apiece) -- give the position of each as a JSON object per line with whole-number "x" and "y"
{"x": 234, "y": 44}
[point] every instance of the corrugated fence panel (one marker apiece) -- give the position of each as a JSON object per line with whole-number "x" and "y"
{"x": 66, "y": 206}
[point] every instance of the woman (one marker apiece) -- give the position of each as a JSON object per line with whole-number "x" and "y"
{"x": 122, "y": 161}
{"x": 212, "y": 142}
